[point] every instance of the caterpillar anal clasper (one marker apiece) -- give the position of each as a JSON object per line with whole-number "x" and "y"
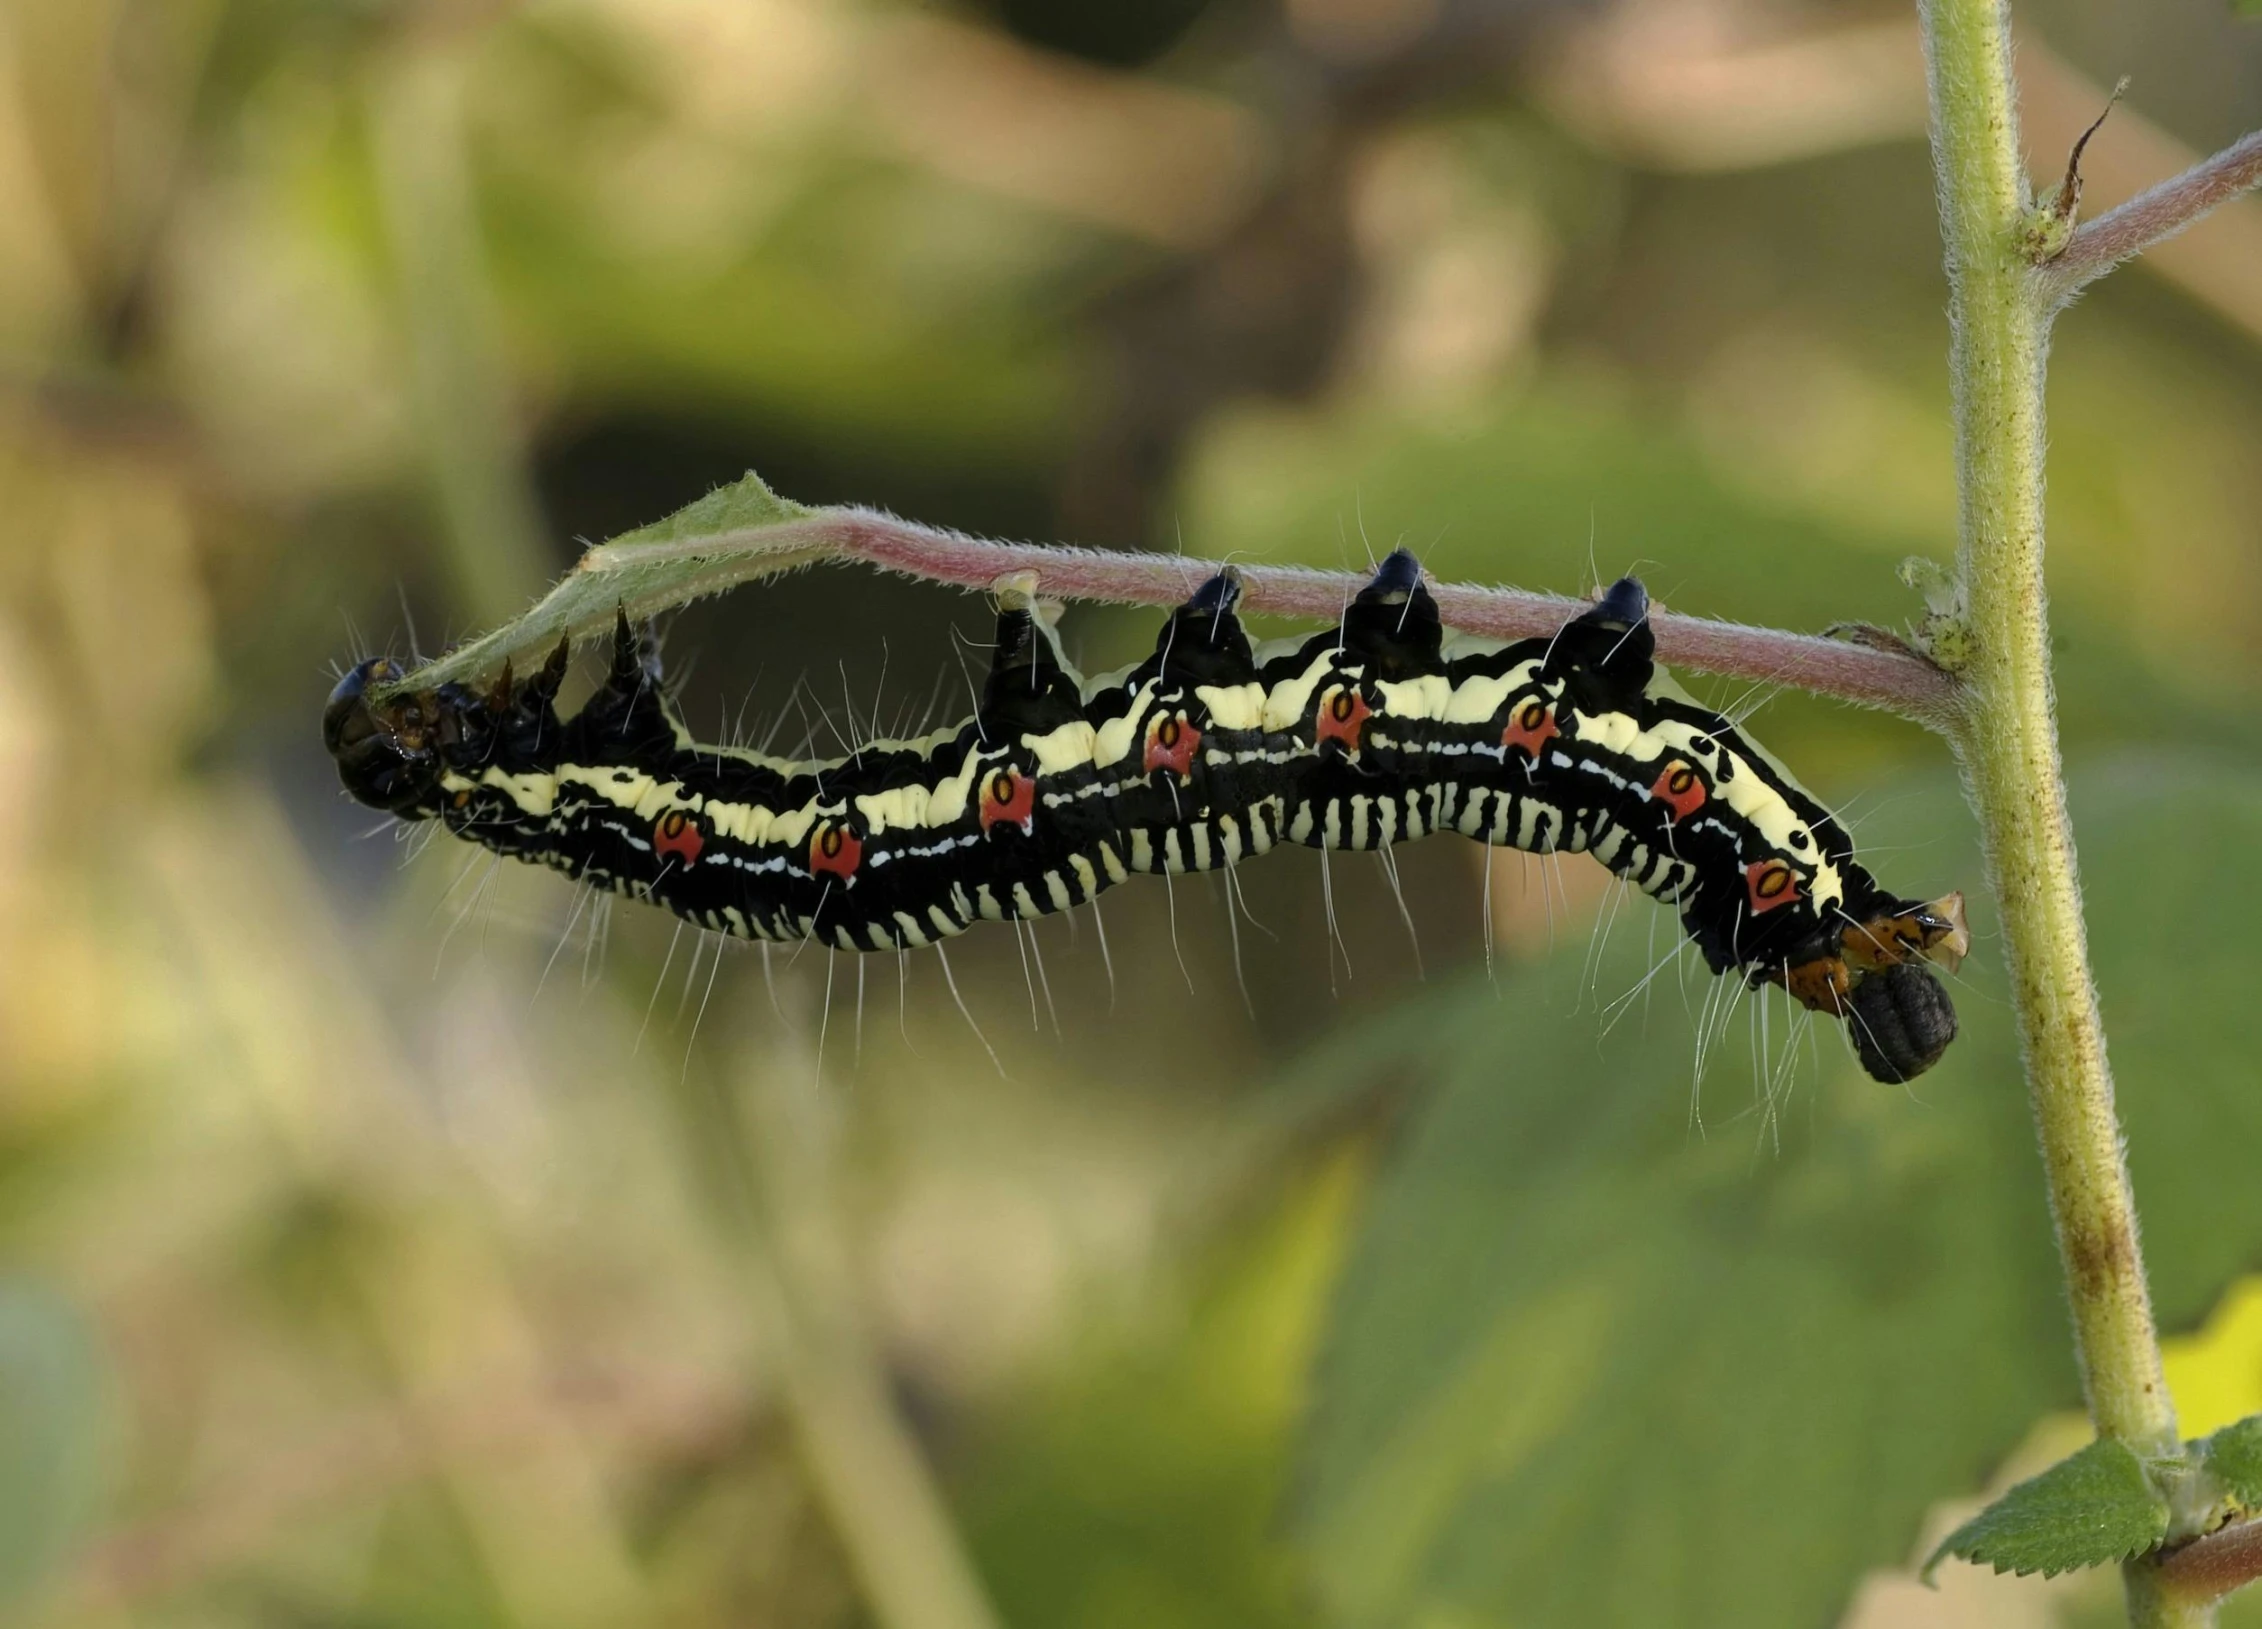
{"x": 1204, "y": 754}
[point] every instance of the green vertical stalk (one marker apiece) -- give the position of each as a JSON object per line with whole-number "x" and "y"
{"x": 2006, "y": 733}
{"x": 458, "y": 376}
{"x": 763, "y": 1158}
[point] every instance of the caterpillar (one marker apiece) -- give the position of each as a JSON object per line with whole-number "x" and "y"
{"x": 1210, "y": 751}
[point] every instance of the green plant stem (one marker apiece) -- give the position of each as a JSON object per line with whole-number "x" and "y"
{"x": 2007, "y": 735}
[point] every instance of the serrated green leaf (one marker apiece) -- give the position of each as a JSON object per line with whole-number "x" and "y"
{"x": 733, "y": 535}
{"x": 1758, "y": 1350}
{"x": 2096, "y": 1507}
{"x": 50, "y": 1423}
{"x": 2234, "y": 1454}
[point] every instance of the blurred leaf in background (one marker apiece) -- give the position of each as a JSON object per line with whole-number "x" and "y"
{"x": 382, "y": 1290}
{"x": 1588, "y": 1360}
{"x": 52, "y": 1433}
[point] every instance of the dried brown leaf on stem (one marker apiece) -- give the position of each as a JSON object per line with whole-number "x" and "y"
{"x": 2149, "y": 217}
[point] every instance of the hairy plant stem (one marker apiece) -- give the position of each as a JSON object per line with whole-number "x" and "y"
{"x": 2210, "y": 1568}
{"x": 645, "y": 578}
{"x": 2007, "y": 735}
{"x": 2160, "y": 212}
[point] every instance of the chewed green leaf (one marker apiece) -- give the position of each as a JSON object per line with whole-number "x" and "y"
{"x": 2094, "y": 1508}
{"x": 2234, "y": 1454}
{"x": 731, "y": 536}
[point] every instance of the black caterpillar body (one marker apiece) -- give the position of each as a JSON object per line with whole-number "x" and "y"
{"x": 1378, "y": 731}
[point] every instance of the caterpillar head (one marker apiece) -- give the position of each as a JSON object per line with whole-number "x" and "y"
{"x": 1874, "y": 976}
{"x": 387, "y": 752}
{"x": 1901, "y": 1021}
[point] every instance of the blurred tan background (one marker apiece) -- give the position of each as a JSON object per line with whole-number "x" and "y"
{"x": 391, "y": 1239}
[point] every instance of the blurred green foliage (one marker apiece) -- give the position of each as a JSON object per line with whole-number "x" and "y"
{"x": 362, "y": 1273}
{"x": 51, "y": 1436}
{"x": 1754, "y": 1345}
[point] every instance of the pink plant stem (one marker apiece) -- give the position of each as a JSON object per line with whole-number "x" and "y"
{"x": 2144, "y": 220}
{"x": 1896, "y": 680}
{"x": 2207, "y": 1569}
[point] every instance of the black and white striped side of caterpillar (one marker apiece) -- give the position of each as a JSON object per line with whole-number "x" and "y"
{"x": 1207, "y": 753}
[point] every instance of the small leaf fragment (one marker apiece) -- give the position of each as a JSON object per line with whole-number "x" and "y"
{"x": 2096, "y": 1507}
{"x": 2234, "y": 1454}
{"x": 743, "y": 505}
{"x": 733, "y": 535}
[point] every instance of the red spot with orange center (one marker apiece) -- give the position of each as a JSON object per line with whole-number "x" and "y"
{"x": 1680, "y": 788}
{"x": 1343, "y": 716}
{"x": 677, "y": 835}
{"x": 1770, "y": 883}
{"x": 1009, "y": 798}
{"x": 1171, "y": 745}
{"x": 835, "y": 850}
{"x": 1530, "y": 729}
